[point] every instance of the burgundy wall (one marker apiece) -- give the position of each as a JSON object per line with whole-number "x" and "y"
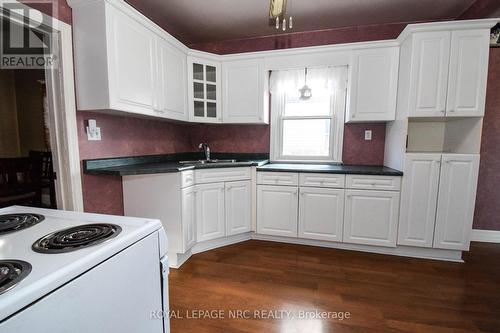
{"x": 303, "y": 39}
{"x": 123, "y": 136}
{"x": 55, "y": 8}
{"x": 487, "y": 213}
{"x": 127, "y": 136}
{"x": 104, "y": 194}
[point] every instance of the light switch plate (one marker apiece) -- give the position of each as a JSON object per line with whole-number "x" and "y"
{"x": 94, "y": 134}
{"x": 368, "y": 135}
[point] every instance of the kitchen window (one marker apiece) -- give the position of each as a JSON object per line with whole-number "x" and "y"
{"x": 307, "y": 114}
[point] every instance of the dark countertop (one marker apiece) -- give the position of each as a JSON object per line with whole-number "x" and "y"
{"x": 151, "y": 164}
{"x": 331, "y": 168}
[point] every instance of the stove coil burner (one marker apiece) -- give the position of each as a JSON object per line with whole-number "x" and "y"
{"x": 11, "y": 273}
{"x": 76, "y": 238}
{"x": 14, "y": 222}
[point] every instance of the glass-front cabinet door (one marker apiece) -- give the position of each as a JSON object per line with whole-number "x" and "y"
{"x": 204, "y": 90}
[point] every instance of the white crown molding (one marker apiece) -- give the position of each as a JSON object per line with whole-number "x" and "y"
{"x": 489, "y": 236}
{"x": 448, "y": 25}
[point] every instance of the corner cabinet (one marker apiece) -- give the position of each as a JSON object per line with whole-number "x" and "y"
{"x": 210, "y": 211}
{"x": 244, "y": 92}
{"x": 373, "y": 82}
{"x": 204, "y": 90}
{"x": 238, "y": 197}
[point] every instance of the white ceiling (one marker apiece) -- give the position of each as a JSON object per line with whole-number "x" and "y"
{"x": 195, "y": 21}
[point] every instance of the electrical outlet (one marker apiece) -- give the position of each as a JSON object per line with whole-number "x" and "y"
{"x": 368, "y": 135}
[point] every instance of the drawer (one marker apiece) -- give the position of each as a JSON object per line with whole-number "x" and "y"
{"x": 221, "y": 175}
{"x": 369, "y": 182}
{"x": 322, "y": 180}
{"x": 278, "y": 178}
{"x": 187, "y": 178}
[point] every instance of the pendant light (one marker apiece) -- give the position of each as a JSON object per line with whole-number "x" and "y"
{"x": 277, "y": 15}
{"x": 305, "y": 91}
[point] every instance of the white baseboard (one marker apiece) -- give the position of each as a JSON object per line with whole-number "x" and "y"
{"x": 489, "y": 236}
{"x": 403, "y": 251}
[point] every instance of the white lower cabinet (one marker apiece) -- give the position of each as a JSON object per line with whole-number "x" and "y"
{"x": 437, "y": 200}
{"x": 455, "y": 206}
{"x": 188, "y": 218}
{"x": 210, "y": 211}
{"x": 277, "y": 210}
{"x": 321, "y": 213}
{"x": 371, "y": 217}
{"x": 238, "y": 207}
{"x": 419, "y": 199}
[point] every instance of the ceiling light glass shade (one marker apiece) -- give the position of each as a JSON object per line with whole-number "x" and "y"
{"x": 277, "y": 8}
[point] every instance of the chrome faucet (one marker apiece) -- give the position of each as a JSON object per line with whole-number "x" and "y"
{"x": 206, "y": 150}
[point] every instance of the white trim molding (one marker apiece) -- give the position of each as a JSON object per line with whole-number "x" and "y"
{"x": 488, "y": 236}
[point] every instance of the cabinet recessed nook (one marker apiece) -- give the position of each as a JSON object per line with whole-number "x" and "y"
{"x": 444, "y": 135}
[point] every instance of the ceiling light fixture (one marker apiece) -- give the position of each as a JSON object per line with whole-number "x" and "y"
{"x": 277, "y": 15}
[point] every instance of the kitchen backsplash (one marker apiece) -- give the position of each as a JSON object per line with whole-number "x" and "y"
{"x": 128, "y": 136}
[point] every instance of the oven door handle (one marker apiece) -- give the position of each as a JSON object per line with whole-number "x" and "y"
{"x": 164, "y": 293}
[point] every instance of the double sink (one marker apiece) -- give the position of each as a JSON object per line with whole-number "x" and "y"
{"x": 207, "y": 161}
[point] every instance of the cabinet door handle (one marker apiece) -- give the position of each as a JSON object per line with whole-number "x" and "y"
{"x": 451, "y": 110}
{"x": 442, "y": 111}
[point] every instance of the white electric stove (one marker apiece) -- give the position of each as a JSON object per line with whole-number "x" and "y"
{"x": 78, "y": 272}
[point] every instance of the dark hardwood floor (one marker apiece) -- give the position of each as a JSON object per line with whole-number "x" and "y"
{"x": 381, "y": 293}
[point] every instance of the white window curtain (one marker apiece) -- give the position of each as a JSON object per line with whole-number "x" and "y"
{"x": 324, "y": 82}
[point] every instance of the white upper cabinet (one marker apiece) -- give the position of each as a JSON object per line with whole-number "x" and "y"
{"x": 210, "y": 211}
{"x": 429, "y": 74}
{"x": 374, "y": 80}
{"x": 244, "y": 92}
{"x": 419, "y": 199}
{"x": 371, "y": 217}
{"x": 172, "y": 81}
{"x": 468, "y": 73}
{"x": 115, "y": 60}
{"x": 321, "y": 213}
{"x": 448, "y": 72}
{"x": 124, "y": 63}
{"x": 204, "y": 93}
{"x": 457, "y": 195}
{"x": 132, "y": 71}
{"x": 277, "y": 210}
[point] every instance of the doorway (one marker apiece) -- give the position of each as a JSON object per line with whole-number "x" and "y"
{"x": 39, "y": 158}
